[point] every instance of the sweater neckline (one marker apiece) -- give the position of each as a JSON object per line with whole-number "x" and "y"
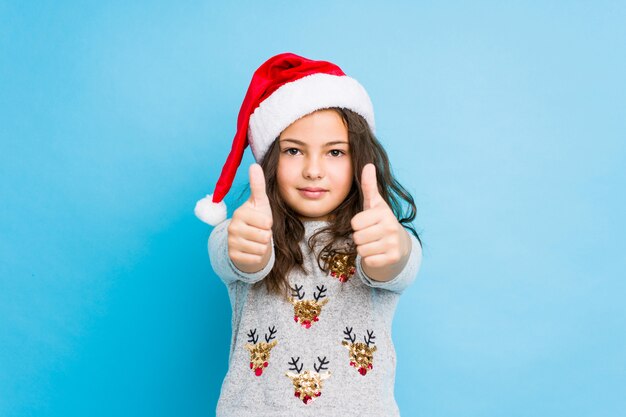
{"x": 311, "y": 226}
{"x": 315, "y": 222}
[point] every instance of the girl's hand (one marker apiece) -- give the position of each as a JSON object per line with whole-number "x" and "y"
{"x": 250, "y": 230}
{"x": 382, "y": 242}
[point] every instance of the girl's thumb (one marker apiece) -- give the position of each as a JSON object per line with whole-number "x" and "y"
{"x": 258, "y": 196}
{"x": 369, "y": 186}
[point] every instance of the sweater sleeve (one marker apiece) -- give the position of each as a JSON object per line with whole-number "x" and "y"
{"x": 221, "y": 262}
{"x": 401, "y": 281}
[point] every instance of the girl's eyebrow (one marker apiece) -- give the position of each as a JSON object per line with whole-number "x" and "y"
{"x": 299, "y": 142}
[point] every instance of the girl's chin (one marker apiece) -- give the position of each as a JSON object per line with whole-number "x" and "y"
{"x": 312, "y": 210}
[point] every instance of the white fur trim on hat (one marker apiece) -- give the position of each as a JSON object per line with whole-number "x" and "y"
{"x": 301, "y": 97}
{"x": 210, "y": 212}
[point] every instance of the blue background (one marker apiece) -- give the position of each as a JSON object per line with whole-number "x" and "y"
{"x": 506, "y": 122}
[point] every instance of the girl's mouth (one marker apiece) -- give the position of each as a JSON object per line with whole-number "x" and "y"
{"x": 312, "y": 193}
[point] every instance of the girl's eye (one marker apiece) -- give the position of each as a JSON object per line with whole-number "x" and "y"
{"x": 291, "y": 151}
{"x": 337, "y": 152}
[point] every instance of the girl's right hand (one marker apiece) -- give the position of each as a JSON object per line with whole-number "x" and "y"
{"x": 250, "y": 230}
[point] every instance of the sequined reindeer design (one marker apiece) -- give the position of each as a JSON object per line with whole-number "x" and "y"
{"x": 308, "y": 384}
{"x": 260, "y": 353}
{"x": 307, "y": 312}
{"x": 361, "y": 354}
{"x": 341, "y": 266}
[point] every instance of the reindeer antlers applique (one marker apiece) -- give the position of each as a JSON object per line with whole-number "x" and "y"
{"x": 361, "y": 354}
{"x": 308, "y": 384}
{"x": 306, "y": 312}
{"x": 260, "y": 353}
{"x": 342, "y": 266}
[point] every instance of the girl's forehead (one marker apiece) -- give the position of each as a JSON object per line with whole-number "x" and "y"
{"x": 317, "y": 128}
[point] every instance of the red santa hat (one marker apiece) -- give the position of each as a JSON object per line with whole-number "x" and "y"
{"x": 285, "y": 88}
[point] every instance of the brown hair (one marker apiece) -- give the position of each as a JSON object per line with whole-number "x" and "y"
{"x": 288, "y": 229}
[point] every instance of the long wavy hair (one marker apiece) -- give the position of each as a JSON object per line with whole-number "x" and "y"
{"x": 287, "y": 228}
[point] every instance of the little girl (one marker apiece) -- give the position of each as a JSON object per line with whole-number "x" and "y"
{"x": 316, "y": 258}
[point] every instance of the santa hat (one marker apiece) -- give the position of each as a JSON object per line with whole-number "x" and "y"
{"x": 285, "y": 88}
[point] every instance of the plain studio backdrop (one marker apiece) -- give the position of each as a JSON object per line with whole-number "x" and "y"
{"x": 507, "y": 123}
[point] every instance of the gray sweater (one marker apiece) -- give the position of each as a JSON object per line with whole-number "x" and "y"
{"x": 324, "y": 351}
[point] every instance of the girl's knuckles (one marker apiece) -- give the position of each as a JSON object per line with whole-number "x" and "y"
{"x": 374, "y": 263}
{"x": 394, "y": 257}
{"x": 390, "y": 228}
{"x": 245, "y": 258}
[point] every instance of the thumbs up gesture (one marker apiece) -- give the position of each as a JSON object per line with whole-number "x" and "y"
{"x": 382, "y": 242}
{"x": 250, "y": 229}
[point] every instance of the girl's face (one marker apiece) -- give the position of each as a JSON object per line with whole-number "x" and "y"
{"x": 314, "y": 171}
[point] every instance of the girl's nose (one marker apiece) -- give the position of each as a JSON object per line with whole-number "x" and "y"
{"x": 313, "y": 168}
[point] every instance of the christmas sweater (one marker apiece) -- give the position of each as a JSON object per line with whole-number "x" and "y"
{"x": 324, "y": 351}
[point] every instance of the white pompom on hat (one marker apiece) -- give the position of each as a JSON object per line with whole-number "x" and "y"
{"x": 284, "y": 89}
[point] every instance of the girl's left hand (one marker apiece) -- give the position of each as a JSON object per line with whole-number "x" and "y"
{"x": 382, "y": 242}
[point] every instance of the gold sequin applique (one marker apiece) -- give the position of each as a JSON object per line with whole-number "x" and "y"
{"x": 361, "y": 354}
{"x": 308, "y": 384}
{"x": 260, "y": 352}
{"x": 341, "y": 266}
{"x": 307, "y": 312}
